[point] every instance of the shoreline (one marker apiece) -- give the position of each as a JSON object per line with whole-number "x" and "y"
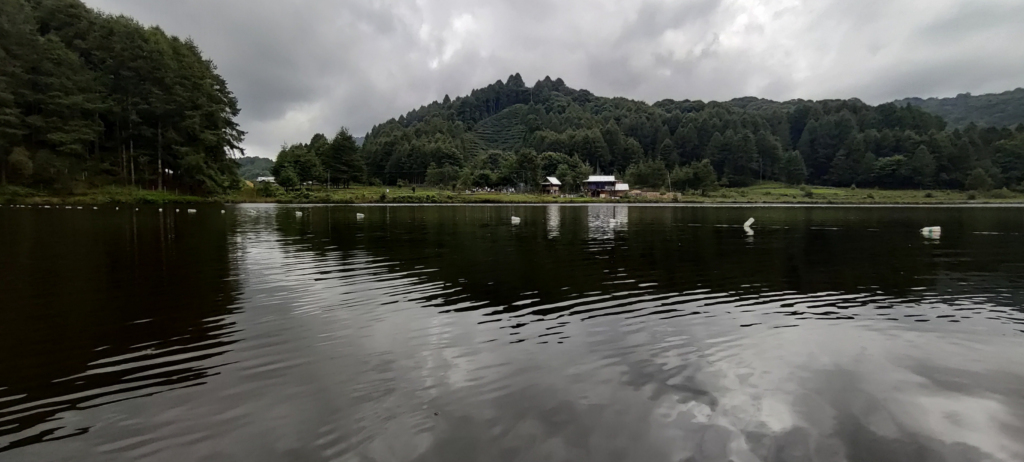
{"x": 762, "y": 195}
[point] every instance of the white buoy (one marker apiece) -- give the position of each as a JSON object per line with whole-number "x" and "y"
{"x": 117, "y": 208}
{"x": 191, "y": 210}
{"x": 160, "y": 210}
{"x": 222, "y": 211}
{"x": 515, "y": 220}
{"x": 747, "y": 228}
{"x": 298, "y": 214}
{"x": 360, "y": 216}
{"x": 177, "y": 210}
{"x": 932, "y": 232}
{"x": 95, "y": 208}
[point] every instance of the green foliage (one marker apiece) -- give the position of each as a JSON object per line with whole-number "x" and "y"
{"x": 251, "y": 168}
{"x": 20, "y": 164}
{"x": 650, "y": 174}
{"x": 792, "y": 169}
{"x": 445, "y": 176}
{"x": 979, "y": 181}
{"x": 287, "y": 178}
{"x": 807, "y": 191}
{"x": 829, "y": 142}
{"x": 101, "y": 97}
{"x": 697, "y": 176}
{"x": 341, "y": 157}
{"x": 300, "y": 160}
{"x": 994, "y": 110}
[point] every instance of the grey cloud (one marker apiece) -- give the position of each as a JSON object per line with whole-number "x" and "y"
{"x": 308, "y": 66}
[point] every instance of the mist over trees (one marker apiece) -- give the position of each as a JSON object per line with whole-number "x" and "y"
{"x": 96, "y": 99}
{"x": 478, "y": 139}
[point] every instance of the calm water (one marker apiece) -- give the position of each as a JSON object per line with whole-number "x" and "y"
{"x": 591, "y": 333}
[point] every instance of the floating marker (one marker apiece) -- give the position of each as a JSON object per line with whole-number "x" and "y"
{"x": 298, "y": 214}
{"x": 222, "y": 211}
{"x": 515, "y": 220}
{"x": 177, "y": 210}
{"x": 933, "y": 232}
{"x": 360, "y": 216}
{"x": 191, "y": 210}
{"x": 747, "y": 228}
{"x": 160, "y": 210}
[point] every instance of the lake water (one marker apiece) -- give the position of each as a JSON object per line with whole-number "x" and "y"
{"x": 444, "y": 333}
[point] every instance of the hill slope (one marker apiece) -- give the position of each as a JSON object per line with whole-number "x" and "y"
{"x": 991, "y": 110}
{"x": 495, "y": 136}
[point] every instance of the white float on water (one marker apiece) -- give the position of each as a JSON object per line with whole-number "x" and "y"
{"x": 191, "y": 210}
{"x": 222, "y": 211}
{"x": 360, "y": 216}
{"x": 177, "y": 210}
{"x": 95, "y": 208}
{"x": 515, "y": 220}
{"x": 747, "y": 228}
{"x": 932, "y": 232}
{"x": 298, "y": 214}
{"x": 160, "y": 210}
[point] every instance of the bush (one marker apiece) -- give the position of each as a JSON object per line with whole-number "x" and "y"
{"x": 870, "y": 196}
{"x": 979, "y": 181}
{"x": 807, "y": 191}
{"x": 20, "y": 165}
{"x": 929, "y": 195}
{"x": 1001, "y": 194}
{"x": 402, "y": 183}
{"x": 269, "y": 190}
{"x": 972, "y": 196}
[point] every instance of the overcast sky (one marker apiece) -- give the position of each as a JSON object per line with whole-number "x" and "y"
{"x": 302, "y": 66}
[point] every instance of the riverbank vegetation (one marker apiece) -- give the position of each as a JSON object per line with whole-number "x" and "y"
{"x": 91, "y": 100}
{"x": 765, "y": 193}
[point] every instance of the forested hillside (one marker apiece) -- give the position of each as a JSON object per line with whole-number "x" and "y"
{"x": 992, "y": 110}
{"x": 499, "y": 134}
{"x": 93, "y": 99}
{"x": 251, "y": 168}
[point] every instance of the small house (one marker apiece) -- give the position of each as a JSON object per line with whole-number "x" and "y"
{"x": 605, "y": 186}
{"x": 551, "y": 185}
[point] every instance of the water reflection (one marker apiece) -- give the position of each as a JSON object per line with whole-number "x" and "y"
{"x": 103, "y": 306}
{"x": 604, "y": 221}
{"x": 584, "y": 333}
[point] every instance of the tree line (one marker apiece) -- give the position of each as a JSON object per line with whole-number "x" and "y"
{"x": 493, "y": 136}
{"x": 98, "y": 99}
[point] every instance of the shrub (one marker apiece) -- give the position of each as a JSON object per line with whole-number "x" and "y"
{"x": 870, "y": 196}
{"x": 401, "y": 183}
{"x": 929, "y": 195}
{"x": 979, "y": 181}
{"x": 807, "y": 191}
{"x": 972, "y": 196}
{"x": 1001, "y": 194}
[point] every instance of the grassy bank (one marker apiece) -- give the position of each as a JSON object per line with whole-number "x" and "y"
{"x": 105, "y": 195}
{"x": 769, "y": 193}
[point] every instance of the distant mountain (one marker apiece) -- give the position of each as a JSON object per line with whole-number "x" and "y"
{"x": 250, "y": 168}
{"x": 991, "y": 110}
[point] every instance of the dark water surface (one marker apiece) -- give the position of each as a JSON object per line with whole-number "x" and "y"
{"x": 586, "y": 333}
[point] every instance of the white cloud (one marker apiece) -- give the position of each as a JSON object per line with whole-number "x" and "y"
{"x": 308, "y": 66}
